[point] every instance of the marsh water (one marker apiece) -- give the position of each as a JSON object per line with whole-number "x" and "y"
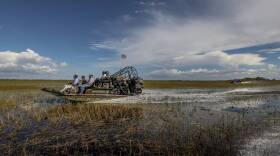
{"x": 255, "y": 103}
{"x": 203, "y": 105}
{"x": 251, "y": 100}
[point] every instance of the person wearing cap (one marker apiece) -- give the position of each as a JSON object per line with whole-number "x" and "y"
{"x": 72, "y": 85}
{"x": 88, "y": 84}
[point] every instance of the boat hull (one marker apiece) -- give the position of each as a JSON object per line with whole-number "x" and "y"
{"x": 83, "y": 97}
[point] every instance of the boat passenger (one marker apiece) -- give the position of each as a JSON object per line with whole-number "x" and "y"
{"x": 90, "y": 79}
{"x": 83, "y": 80}
{"x": 89, "y": 83}
{"x": 72, "y": 85}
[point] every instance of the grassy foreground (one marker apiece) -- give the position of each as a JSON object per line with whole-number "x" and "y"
{"x": 57, "y": 127}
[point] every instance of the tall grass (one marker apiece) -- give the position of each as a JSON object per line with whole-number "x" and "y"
{"x": 6, "y": 104}
{"x": 80, "y": 113}
{"x": 130, "y": 137}
{"x": 61, "y": 128}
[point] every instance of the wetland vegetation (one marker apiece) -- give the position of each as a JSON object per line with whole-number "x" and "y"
{"x": 199, "y": 118}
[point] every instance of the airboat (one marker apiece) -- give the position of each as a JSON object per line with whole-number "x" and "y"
{"x": 123, "y": 83}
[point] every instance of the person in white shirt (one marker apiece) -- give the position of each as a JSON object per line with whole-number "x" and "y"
{"x": 90, "y": 80}
{"x": 88, "y": 84}
{"x": 72, "y": 85}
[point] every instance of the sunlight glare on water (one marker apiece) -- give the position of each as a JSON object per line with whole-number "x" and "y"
{"x": 217, "y": 99}
{"x": 171, "y": 96}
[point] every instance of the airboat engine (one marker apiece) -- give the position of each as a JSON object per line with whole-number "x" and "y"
{"x": 124, "y": 82}
{"x": 127, "y": 82}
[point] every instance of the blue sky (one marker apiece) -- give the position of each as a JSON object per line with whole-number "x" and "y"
{"x": 178, "y": 39}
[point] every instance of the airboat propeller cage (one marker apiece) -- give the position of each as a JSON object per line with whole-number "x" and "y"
{"x": 126, "y": 81}
{"x": 128, "y": 72}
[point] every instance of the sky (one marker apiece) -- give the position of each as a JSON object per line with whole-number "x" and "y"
{"x": 163, "y": 39}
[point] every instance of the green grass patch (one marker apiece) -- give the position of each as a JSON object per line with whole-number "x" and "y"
{"x": 29, "y": 84}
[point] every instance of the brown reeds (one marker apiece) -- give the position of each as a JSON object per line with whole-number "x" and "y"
{"x": 79, "y": 113}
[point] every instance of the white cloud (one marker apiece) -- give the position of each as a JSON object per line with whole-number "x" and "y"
{"x": 270, "y": 51}
{"x": 103, "y": 59}
{"x": 269, "y": 71}
{"x": 175, "y": 73}
{"x": 27, "y": 61}
{"x": 172, "y": 37}
{"x": 220, "y": 58}
{"x": 180, "y": 42}
{"x": 105, "y": 45}
{"x": 63, "y": 64}
{"x": 151, "y": 3}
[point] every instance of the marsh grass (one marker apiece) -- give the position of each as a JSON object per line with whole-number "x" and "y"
{"x": 61, "y": 128}
{"x": 127, "y": 137}
{"x": 80, "y": 113}
{"x": 22, "y": 85}
{"x": 6, "y": 104}
{"x": 84, "y": 117}
{"x": 43, "y": 129}
{"x": 86, "y": 129}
